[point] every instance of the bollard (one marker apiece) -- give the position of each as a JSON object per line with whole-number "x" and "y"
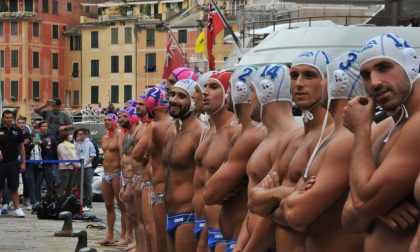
{"x": 67, "y": 229}
{"x": 82, "y": 239}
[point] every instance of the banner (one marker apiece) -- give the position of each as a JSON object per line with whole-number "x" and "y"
{"x": 173, "y": 58}
{"x": 215, "y": 25}
{"x": 200, "y": 43}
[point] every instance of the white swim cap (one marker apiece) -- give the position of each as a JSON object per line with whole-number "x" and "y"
{"x": 189, "y": 86}
{"x": 394, "y": 48}
{"x": 317, "y": 59}
{"x": 272, "y": 83}
{"x": 344, "y": 80}
{"x": 240, "y": 83}
{"x": 203, "y": 78}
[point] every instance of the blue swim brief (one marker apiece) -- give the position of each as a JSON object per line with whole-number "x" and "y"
{"x": 200, "y": 222}
{"x": 230, "y": 245}
{"x": 215, "y": 237}
{"x": 174, "y": 220}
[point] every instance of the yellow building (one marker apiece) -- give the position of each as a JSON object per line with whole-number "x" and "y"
{"x": 113, "y": 57}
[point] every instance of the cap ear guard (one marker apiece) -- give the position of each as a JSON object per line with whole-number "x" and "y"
{"x": 266, "y": 90}
{"x": 241, "y": 92}
{"x": 341, "y": 80}
{"x": 412, "y": 62}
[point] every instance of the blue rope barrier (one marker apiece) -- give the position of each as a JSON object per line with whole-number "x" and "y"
{"x": 51, "y": 161}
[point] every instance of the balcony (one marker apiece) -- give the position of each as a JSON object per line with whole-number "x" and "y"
{"x": 17, "y": 15}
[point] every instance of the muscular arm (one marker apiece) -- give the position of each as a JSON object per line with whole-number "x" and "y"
{"x": 303, "y": 207}
{"x": 351, "y": 221}
{"x": 374, "y": 191}
{"x": 40, "y": 108}
{"x": 232, "y": 172}
{"x": 141, "y": 147}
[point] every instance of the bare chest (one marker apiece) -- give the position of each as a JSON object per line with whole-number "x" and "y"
{"x": 216, "y": 152}
{"x": 260, "y": 162}
{"x": 179, "y": 151}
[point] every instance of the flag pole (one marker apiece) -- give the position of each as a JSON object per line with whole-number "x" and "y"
{"x": 238, "y": 43}
{"x": 176, "y": 42}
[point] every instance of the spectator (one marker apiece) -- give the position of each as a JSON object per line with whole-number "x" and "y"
{"x": 34, "y": 169}
{"x": 49, "y": 152}
{"x": 98, "y": 110}
{"x": 21, "y": 123}
{"x": 57, "y": 120}
{"x": 86, "y": 151}
{"x": 66, "y": 151}
{"x": 11, "y": 144}
{"x": 110, "y": 109}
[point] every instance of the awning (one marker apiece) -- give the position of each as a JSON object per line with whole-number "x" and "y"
{"x": 142, "y": 2}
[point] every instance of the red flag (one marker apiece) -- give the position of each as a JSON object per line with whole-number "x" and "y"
{"x": 214, "y": 26}
{"x": 173, "y": 58}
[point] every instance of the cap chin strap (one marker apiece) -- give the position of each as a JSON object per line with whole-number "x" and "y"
{"x": 180, "y": 119}
{"x": 307, "y": 114}
{"x": 404, "y": 115}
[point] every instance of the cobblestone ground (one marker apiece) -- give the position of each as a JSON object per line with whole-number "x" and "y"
{"x": 32, "y": 234}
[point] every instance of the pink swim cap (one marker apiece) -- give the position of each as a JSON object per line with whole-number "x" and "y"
{"x": 181, "y": 73}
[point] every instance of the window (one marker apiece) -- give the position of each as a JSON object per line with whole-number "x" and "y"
{"x": 74, "y": 43}
{"x": 94, "y": 39}
{"x": 55, "y": 90}
{"x": 55, "y": 61}
{"x": 2, "y": 89}
{"x": 114, "y": 36}
{"x": 94, "y": 68}
{"x": 45, "y": 6}
{"x": 13, "y": 6}
{"x": 55, "y": 7}
{"x": 75, "y": 72}
{"x": 114, "y": 64}
{"x": 115, "y": 93}
{"x": 127, "y": 33}
{"x": 13, "y": 28}
{"x": 182, "y": 36}
{"x": 150, "y": 37}
{"x": 29, "y": 5}
{"x": 35, "y": 59}
{"x": 35, "y": 29}
{"x": 69, "y": 7}
{"x": 14, "y": 90}
{"x": 128, "y": 64}
{"x": 55, "y": 31}
{"x": 94, "y": 94}
{"x": 35, "y": 90}
{"x": 127, "y": 92}
{"x": 1, "y": 29}
{"x": 150, "y": 62}
{"x": 75, "y": 97}
{"x": 87, "y": 9}
{"x": 15, "y": 58}
{"x": 1, "y": 59}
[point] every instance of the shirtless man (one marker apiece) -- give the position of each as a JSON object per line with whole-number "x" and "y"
{"x": 157, "y": 109}
{"x": 111, "y": 179}
{"x": 130, "y": 129}
{"x": 215, "y": 104}
{"x": 271, "y": 105}
{"x": 182, "y": 140}
{"x": 178, "y": 74}
{"x": 383, "y": 167}
{"x": 143, "y": 184}
{"x": 316, "y": 211}
{"x": 227, "y": 187}
{"x": 200, "y": 230}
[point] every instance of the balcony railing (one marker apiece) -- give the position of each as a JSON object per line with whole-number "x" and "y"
{"x": 17, "y": 15}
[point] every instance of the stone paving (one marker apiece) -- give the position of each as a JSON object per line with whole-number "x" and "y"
{"x": 32, "y": 234}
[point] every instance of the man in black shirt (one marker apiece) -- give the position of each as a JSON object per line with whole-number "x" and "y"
{"x": 11, "y": 145}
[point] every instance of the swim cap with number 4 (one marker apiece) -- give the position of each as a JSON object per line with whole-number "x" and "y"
{"x": 394, "y": 48}
{"x": 240, "y": 83}
{"x": 272, "y": 83}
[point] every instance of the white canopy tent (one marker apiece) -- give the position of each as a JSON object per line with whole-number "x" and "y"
{"x": 283, "y": 46}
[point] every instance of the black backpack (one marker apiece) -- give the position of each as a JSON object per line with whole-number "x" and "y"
{"x": 51, "y": 206}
